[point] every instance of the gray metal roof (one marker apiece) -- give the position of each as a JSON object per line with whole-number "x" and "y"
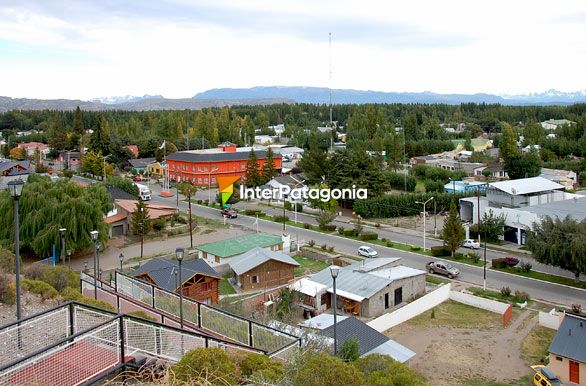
{"x": 350, "y": 328}
{"x": 574, "y": 207}
{"x": 570, "y": 340}
{"x": 162, "y": 271}
{"x": 526, "y": 185}
{"x": 194, "y": 156}
{"x": 119, "y": 194}
{"x": 358, "y": 283}
{"x": 393, "y": 349}
{"x": 141, "y": 162}
{"x": 255, "y": 257}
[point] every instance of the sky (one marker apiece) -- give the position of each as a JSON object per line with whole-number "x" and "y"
{"x": 177, "y": 48}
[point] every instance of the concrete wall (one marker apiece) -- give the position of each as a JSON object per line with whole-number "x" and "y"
{"x": 412, "y": 288}
{"x": 475, "y": 301}
{"x": 417, "y": 307}
{"x": 551, "y": 319}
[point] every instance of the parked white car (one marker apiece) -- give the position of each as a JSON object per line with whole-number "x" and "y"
{"x": 367, "y": 251}
{"x": 472, "y": 244}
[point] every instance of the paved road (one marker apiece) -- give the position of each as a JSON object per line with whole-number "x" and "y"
{"x": 495, "y": 280}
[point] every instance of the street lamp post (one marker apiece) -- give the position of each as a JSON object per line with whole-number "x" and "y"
{"x": 334, "y": 270}
{"x": 179, "y": 252}
{"x": 15, "y": 188}
{"x": 62, "y": 232}
{"x": 94, "y": 235}
{"x": 424, "y": 217}
{"x": 69, "y": 258}
{"x": 121, "y": 258}
{"x": 284, "y": 200}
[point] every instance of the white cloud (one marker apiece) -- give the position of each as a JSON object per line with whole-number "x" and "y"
{"x": 177, "y": 48}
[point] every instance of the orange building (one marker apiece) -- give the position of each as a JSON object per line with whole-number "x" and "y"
{"x": 203, "y": 167}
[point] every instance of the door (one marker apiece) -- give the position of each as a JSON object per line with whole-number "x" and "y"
{"x": 387, "y": 300}
{"x": 574, "y": 372}
{"x": 398, "y": 296}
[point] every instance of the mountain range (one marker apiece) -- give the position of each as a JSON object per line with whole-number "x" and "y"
{"x": 280, "y": 94}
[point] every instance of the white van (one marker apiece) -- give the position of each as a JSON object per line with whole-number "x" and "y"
{"x": 143, "y": 192}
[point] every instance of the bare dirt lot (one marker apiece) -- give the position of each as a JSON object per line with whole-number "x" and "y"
{"x": 463, "y": 345}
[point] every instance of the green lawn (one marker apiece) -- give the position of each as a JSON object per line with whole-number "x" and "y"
{"x": 226, "y": 288}
{"x": 435, "y": 280}
{"x": 535, "y": 345}
{"x": 545, "y": 277}
{"x": 488, "y": 294}
{"x": 457, "y": 315}
{"x": 308, "y": 265}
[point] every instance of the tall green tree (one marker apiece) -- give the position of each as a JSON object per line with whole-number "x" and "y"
{"x": 508, "y": 144}
{"x": 46, "y": 206}
{"x": 453, "y": 232}
{"x": 523, "y": 165}
{"x": 140, "y": 221}
{"x": 315, "y": 162}
{"x": 268, "y": 168}
{"x": 253, "y": 176}
{"x": 560, "y": 243}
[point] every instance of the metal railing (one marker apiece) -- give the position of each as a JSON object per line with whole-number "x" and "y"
{"x": 216, "y": 321}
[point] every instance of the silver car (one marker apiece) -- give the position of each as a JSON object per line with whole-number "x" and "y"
{"x": 367, "y": 251}
{"x": 442, "y": 268}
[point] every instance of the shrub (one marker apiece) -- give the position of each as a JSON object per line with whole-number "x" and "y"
{"x": 415, "y": 248}
{"x": 280, "y": 218}
{"x": 210, "y": 364}
{"x": 288, "y": 205}
{"x": 7, "y": 261}
{"x": 521, "y": 296}
{"x": 390, "y": 244}
{"x": 159, "y": 224}
{"x": 377, "y": 225}
{"x": 327, "y": 228}
{"x": 384, "y": 239}
{"x": 341, "y": 230}
{"x": 349, "y": 350}
{"x": 39, "y": 287}
{"x": 499, "y": 263}
{"x": 7, "y": 291}
{"x": 70, "y": 293}
{"x": 97, "y": 303}
{"x": 382, "y": 370}
{"x": 364, "y": 236}
{"x": 331, "y": 249}
{"x": 577, "y": 308}
{"x": 254, "y": 365}
{"x": 458, "y": 255}
{"x": 60, "y": 277}
{"x": 433, "y": 186}
{"x": 324, "y": 247}
{"x": 321, "y": 369}
{"x": 439, "y": 251}
{"x": 299, "y": 207}
{"x": 35, "y": 271}
{"x": 349, "y": 232}
{"x": 475, "y": 257}
{"x": 311, "y": 243}
{"x": 506, "y": 291}
{"x": 511, "y": 261}
{"x": 525, "y": 266}
{"x": 306, "y": 225}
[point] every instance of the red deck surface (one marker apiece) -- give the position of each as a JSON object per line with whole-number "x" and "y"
{"x": 71, "y": 366}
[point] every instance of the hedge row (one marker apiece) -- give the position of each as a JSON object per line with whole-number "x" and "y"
{"x": 399, "y": 205}
{"x": 399, "y": 180}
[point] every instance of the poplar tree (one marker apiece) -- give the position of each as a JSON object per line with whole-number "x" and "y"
{"x": 453, "y": 232}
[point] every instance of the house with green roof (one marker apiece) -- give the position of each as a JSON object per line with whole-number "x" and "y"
{"x": 219, "y": 251}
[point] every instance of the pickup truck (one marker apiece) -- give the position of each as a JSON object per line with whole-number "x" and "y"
{"x": 442, "y": 268}
{"x": 472, "y": 244}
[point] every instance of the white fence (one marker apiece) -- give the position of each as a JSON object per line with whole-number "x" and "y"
{"x": 411, "y": 310}
{"x": 551, "y": 319}
{"x": 478, "y": 302}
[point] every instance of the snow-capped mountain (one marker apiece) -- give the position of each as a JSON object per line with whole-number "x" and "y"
{"x": 114, "y": 100}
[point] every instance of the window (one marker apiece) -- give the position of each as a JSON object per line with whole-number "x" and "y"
{"x": 243, "y": 166}
{"x": 206, "y": 286}
{"x": 193, "y": 168}
{"x": 324, "y": 298}
{"x": 199, "y": 180}
{"x": 205, "y": 168}
{"x": 205, "y": 180}
{"x": 199, "y": 168}
{"x": 559, "y": 359}
{"x": 213, "y": 180}
{"x": 254, "y": 280}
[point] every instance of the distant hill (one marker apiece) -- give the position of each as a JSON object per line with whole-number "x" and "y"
{"x": 142, "y": 104}
{"x": 321, "y": 95}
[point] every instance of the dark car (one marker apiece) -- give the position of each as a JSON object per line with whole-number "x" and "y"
{"x": 229, "y": 213}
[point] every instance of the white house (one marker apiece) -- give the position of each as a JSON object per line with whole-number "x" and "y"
{"x": 263, "y": 139}
{"x": 553, "y": 124}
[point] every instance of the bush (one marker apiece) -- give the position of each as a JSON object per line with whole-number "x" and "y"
{"x": 382, "y": 370}
{"x": 299, "y": 207}
{"x": 141, "y": 314}
{"x": 306, "y": 225}
{"x": 458, "y": 255}
{"x": 98, "y": 304}
{"x": 521, "y": 296}
{"x": 287, "y": 205}
{"x": 324, "y": 247}
{"x": 439, "y": 251}
{"x": 261, "y": 366}
{"x": 311, "y": 243}
{"x": 331, "y": 249}
{"x": 511, "y": 261}
{"x": 159, "y": 224}
{"x": 321, "y": 369}
{"x": 349, "y": 232}
{"x": 415, "y": 248}
{"x": 210, "y": 364}
{"x": 399, "y": 180}
{"x": 69, "y": 294}
{"x": 577, "y": 308}
{"x": 384, "y": 239}
{"x": 349, "y": 350}
{"x": 506, "y": 291}
{"x": 39, "y": 287}
{"x": 434, "y": 186}
{"x": 341, "y": 230}
{"x": 60, "y": 277}
{"x": 525, "y": 267}
{"x": 390, "y": 244}
{"x": 365, "y": 236}
{"x": 280, "y": 218}
{"x": 35, "y": 271}
{"x": 7, "y": 291}
{"x": 327, "y": 228}
{"x": 475, "y": 257}
{"x": 499, "y": 263}
{"x": 377, "y": 225}
{"x": 7, "y": 261}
